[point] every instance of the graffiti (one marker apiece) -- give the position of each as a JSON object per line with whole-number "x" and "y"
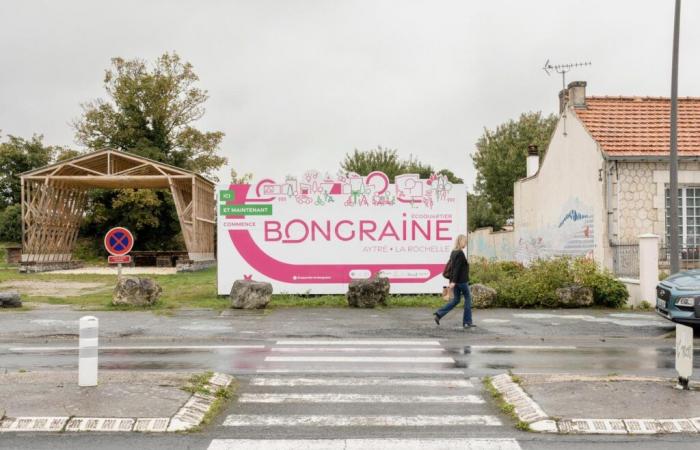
{"x": 574, "y": 216}
{"x": 571, "y": 233}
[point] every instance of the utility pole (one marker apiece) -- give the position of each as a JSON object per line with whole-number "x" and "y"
{"x": 673, "y": 184}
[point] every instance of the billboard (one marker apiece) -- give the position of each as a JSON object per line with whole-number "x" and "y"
{"x": 316, "y": 233}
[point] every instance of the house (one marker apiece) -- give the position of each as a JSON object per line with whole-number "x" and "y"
{"x": 604, "y": 181}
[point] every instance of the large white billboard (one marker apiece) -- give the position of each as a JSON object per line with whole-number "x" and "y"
{"x": 316, "y": 233}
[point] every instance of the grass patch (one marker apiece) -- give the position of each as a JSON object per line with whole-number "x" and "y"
{"x": 197, "y": 384}
{"x": 223, "y": 397}
{"x": 516, "y": 379}
{"x": 190, "y": 290}
{"x": 505, "y": 407}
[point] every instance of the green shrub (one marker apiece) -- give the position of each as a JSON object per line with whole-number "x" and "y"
{"x": 535, "y": 286}
{"x": 607, "y": 290}
{"x": 489, "y": 272}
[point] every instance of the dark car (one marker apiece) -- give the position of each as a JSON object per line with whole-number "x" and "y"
{"x": 678, "y": 297}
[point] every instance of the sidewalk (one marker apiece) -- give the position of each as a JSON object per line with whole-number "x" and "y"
{"x": 122, "y": 401}
{"x": 563, "y": 403}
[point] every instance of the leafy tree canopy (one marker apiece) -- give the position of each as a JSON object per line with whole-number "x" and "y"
{"x": 150, "y": 111}
{"x": 388, "y": 161}
{"x": 500, "y": 161}
{"x": 18, "y": 155}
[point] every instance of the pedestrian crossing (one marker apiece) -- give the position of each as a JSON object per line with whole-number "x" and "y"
{"x": 392, "y": 394}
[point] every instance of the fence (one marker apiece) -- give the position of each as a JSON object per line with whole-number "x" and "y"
{"x": 689, "y": 258}
{"x": 625, "y": 259}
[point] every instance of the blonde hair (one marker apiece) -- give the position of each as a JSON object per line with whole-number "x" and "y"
{"x": 459, "y": 240}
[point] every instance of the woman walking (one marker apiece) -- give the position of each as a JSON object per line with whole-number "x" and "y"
{"x": 459, "y": 283}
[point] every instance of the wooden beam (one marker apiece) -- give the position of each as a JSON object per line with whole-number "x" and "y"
{"x": 85, "y": 169}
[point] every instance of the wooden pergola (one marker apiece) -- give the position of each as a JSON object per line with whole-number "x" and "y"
{"x": 54, "y": 198}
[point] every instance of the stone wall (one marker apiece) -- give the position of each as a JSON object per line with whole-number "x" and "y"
{"x": 638, "y": 197}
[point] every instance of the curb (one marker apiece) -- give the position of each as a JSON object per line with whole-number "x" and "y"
{"x": 186, "y": 418}
{"x": 530, "y": 412}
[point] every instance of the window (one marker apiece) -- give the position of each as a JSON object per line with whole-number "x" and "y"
{"x": 688, "y": 216}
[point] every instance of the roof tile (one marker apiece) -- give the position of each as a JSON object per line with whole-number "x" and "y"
{"x": 640, "y": 126}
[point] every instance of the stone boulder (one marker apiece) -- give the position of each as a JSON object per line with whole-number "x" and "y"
{"x": 136, "y": 291}
{"x": 368, "y": 293}
{"x": 482, "y": 296}
{"x": 575, "y": 296}
{"x": 248, "y": 294}
{"x": 10, "y": 300}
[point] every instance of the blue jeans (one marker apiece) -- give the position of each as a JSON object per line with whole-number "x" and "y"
{"x": 459, "y": 290}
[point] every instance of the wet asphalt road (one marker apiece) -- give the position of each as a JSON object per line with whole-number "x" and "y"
{"x": 250, "y": 344}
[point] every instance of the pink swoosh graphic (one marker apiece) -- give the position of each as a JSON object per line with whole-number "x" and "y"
{"x": 310, "y": 273}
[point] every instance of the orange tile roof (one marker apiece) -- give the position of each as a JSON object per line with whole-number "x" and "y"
{"x": 641, "y": 126}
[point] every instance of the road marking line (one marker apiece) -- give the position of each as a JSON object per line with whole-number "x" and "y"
{"x": 525, "y": 347}
{"x": 357, "y": 398}
{"x": 355, "y": 342}
{"x": 356, "y": 349}
{"x": 385, "y": 381}
{"x": 353, "y": 421}
{"x": 394, "y": 370}
{"x": 140, "y": 347}
{"x": 379, "y": 359}
{"x": 362, "y": 444}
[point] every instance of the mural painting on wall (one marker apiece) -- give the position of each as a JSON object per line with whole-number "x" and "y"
{"x": 571, "y": 235}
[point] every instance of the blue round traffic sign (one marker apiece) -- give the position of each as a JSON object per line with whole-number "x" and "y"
{"x": 119, "y": 241}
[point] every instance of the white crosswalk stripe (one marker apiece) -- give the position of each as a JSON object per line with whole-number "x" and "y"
{"x": 357, "y": 350}
{"x": 389, "y": 383}
{"x": 386, "y": 381}
{"x": 363, "y": 359}
{"x": 356, "y": 342}
{"x": 363, "y": 444}
{"x": 361, "y": 421}
{"x": 356, "y": 398}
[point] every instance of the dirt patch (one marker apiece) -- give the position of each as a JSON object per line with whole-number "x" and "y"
{"x": 54, "y": 288}
{"x": 113, "y": 271}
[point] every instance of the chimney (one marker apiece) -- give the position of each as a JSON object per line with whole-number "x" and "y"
{"x": 533, "y": 160}
{"x": 563, "y": 100}
{"x": 577, "y": 94}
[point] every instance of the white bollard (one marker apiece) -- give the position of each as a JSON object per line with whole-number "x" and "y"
{"x": 87, "y": 365}
{"x": 648, "y": 267}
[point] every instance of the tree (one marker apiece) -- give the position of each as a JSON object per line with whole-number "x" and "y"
{"x": 150, "y": 110}
{"x": 480, "y": 214}
{"x": 246, "y": 178}
{"x": 500, "y": 161}
{"x": 19, "y": 155}
{"x": 382, "y": 159}
{"x": 387, "y": 161}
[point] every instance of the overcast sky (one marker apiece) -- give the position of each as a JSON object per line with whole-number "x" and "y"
{"x": 297, "y": 84}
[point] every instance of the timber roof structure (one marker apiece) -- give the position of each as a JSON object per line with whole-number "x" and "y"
{"x": 54, "y": 198}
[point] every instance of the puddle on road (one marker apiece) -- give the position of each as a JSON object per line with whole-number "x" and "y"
{"x": 617, "y": 319}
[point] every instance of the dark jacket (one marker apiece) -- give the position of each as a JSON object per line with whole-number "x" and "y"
{"x": 460, "y": 267}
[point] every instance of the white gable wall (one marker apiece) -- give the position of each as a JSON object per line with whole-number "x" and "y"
{"x": 561, "y": 210}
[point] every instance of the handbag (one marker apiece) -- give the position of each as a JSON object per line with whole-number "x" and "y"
{"x": 447, "y": 293}
{"x": 447, "y": 271}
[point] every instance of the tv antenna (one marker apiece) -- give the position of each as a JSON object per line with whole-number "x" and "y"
{"x": 563, "y": 69}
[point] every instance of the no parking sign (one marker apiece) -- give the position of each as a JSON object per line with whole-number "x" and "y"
{"x": 118, "y": 242}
